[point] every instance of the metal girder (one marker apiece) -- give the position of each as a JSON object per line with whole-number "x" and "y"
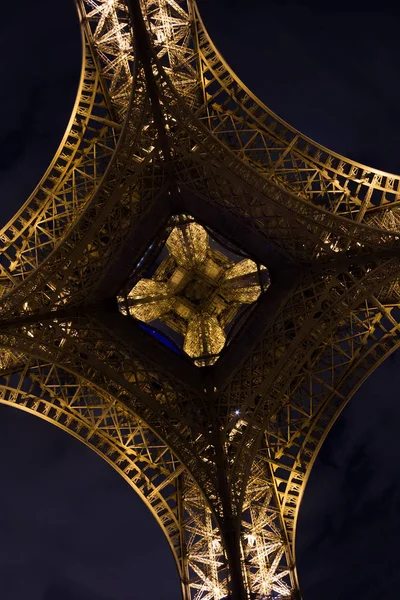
{"x": 221, "y": 456}
{"x": 259, "y": 137}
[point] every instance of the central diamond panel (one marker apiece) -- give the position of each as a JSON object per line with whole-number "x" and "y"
{"x": 194, "y": 290}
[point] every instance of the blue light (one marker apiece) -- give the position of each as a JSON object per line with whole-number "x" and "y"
{"x": 160, "y": 337}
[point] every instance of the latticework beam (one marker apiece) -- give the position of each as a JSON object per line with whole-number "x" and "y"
{"x": 162, "y": 126}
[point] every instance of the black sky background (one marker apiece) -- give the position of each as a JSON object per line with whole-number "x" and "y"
{"x": 70, "y": 527}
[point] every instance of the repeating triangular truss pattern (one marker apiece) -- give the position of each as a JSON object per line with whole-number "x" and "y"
{"x": 221, "y": 456}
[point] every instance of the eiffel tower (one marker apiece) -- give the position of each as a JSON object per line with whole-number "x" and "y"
{"x": 195, "y": 290}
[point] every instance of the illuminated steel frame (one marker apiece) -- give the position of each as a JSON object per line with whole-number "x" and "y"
{"x": 192, "y": 289}
{"x": 220, "y": 455}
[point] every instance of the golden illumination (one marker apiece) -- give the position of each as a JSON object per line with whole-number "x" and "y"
{"x": 204, "y": 337}
{"x": 188, "y": 245}
{"x": 241, "y": 282}
{"x": 176, "y": 116}
{"x": 196, "y": 291}
{"x": 150, "y": 300}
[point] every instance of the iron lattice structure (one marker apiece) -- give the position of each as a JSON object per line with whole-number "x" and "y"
{"x": 220, "y": 454}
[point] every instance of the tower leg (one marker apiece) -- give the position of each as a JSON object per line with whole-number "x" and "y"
{"x": 231, "y": 535}
{"x": 230, "y": 529}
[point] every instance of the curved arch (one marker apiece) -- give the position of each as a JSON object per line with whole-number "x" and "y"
{"x": 103, "y": 425}
{"x": 237, "y": 117}
{"x": 310, "y": 322}
{"x": 295, "y": 435}
{"x": 256, "y": 134}
{"x": 82, "y": 158}
{"x": 114, "y": 369}
{"x": 270, "y": 569}
{"x": 379, "y": 348}
{"x": 241, "y": 188}
{"x": 102, "y": 105}
{"x": 147, "y": 464}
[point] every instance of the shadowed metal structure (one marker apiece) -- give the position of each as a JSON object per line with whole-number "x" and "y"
{"x": 195, "y": 290}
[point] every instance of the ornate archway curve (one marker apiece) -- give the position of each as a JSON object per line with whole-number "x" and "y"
{"x": 105, "y": 426}
{"x": 340, "y": 367}
{"x": 380, "y": 348}
{"x": 84, "y": 153}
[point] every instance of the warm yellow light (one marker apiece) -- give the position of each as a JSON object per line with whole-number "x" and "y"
{"x": 196, "y": 291}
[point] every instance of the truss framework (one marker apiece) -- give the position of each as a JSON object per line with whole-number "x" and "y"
{"x": 162, "y": 126}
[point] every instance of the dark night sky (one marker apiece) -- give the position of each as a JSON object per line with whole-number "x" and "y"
{"x": 70, "y": 527}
